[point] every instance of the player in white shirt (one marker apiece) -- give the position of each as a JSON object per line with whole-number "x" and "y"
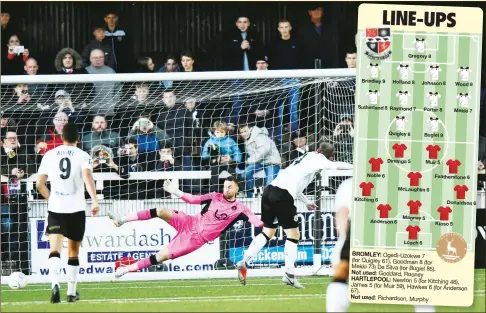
{"x": 464, "y": 73}
{"x": 463, "y": 99}
{"x": 400, "y": 122}
{"x": 373, "y": 96}
{"x": 433, "y": 124}
{"x": 434, "y": 72}
{"x": 374, "y": 70}
{"x": 404, "y": 70}
{"x": 337, "y": 291}
{"x": 433, "y": 98}
{"x": 420, "y": 45}
{"x": 68, "y": 169}
{"x": 278, "y": 207}
{"x": 403, "y": 97}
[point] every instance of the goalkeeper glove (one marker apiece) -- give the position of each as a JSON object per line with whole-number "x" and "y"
{"x": 171, "y": 187}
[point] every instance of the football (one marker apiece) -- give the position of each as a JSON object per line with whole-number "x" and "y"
{"x": 17, "y": 280}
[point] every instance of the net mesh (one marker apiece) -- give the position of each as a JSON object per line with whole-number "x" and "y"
{"x": 248, "y": 128}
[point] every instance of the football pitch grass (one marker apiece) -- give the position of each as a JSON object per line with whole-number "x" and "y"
{"x": 223, "y": 295}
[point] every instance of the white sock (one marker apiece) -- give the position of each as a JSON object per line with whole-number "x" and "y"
{"x": 256, "y": 245}
{"x": 424, "y": 308}
{"x": 337, "y": 297}
{"x": 290, "y": 252}
{"x": 72, "y": 273}
{"x": 54, "y": 269}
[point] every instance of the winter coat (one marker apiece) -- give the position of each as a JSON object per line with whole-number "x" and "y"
{"x": 233, "y": 54}
{"x": 122, "y": 49}
{"x": 106, "y": 138}
{"x": 226, "y": 145}
{"x": 260, "y": 148}
{"x": 148, "y": 142}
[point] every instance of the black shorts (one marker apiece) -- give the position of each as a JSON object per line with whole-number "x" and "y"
{"x": 278, "y": 208}
{"x": 70, "y": 225}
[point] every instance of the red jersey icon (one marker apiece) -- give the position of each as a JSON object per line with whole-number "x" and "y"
{"x": 414, "y": 178}
{"x": 414, "y": 206}
{"x": 384, "y": 208}
{"x": 366, "y": 186}
{"x": 453, "y": 165}
{"x": 461, "y": 191}
{"x": 375, "y": 164}
{"x": 413, "y": 232}
{"x": 399, "y": 150}
{"x": 444, "y": 213}
{"x": 433, "y": 151}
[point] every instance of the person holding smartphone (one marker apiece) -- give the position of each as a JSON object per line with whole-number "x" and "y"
{"x": 14, "y": 57}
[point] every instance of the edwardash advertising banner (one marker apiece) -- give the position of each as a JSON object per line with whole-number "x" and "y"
{"x": 104, "y": 243}
{"x": 242, "y": 233}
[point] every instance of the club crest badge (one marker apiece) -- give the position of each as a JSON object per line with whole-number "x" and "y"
{"x": 378, "y": 42}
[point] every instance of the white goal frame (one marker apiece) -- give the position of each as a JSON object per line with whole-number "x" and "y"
{"x": 316, "y": 269}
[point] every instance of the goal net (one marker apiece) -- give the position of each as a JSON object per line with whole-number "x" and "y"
{"x": 196, "y": 129}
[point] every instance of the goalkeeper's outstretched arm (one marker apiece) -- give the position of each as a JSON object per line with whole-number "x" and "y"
{"x": 172, "y": 188}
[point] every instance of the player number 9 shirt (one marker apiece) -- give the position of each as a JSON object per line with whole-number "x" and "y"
{"x": 63, "y": 167}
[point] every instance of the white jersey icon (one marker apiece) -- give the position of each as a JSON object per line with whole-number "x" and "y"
{"x": 400, "y": 122}
{"x": 433, "y": 98}
{"x": 463, "y": 99}
{"x": 374, "y": 70}
{"x": 464, "y": 73}
{"x": 434, "y": 72}
{"x": 433, "y": 124}
{"x": 404, "y": 69}
{"x": 373, "y": 96}
{"x": 403, "y": 97}
{"x": 420, "y": 45}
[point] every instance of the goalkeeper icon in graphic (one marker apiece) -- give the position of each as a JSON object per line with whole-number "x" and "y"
{"x": 220, "y": 211}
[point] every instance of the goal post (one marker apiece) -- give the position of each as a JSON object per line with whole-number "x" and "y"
{"x": 141, "y": 129}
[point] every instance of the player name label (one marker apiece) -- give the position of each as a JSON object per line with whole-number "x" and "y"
{"x": 413, "y": 189}
{"x": 427, "y": 83}
{"x": 413, "y": 218}
{"x": 378, "y": 175}
{"x": 456, "y": 110}
{"x": 401, "y": 161}
{"x": 374, "y": 221}
{"x": 372, "y": 107}
{"x": 363, "y": 199}
{"x": 399, "y": 134}
{"x": 403, "y": 82}
{"x": 432, "y": 109}
{"x": 392, "y": 108}
{"x": 419, "y": 56}
{"x": 464, "y": 84}
{"x": 372, "y": 81}
{"x": 433, "y": 135}
{"x": 451, "y": 176}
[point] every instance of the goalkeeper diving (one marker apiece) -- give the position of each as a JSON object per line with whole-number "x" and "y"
{"x": 219, "y": 212}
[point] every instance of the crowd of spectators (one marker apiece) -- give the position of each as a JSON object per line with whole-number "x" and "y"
{"x": 158, "y": 126}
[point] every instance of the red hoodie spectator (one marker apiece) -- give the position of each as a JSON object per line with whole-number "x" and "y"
{"x": 53, "y": 138}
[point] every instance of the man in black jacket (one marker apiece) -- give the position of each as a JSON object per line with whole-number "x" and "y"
{"x": 15, "y": 164}
{"x": 241, "y": 45}
{"x": 318, "y": 40}
{"x": 121, "y": 45}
